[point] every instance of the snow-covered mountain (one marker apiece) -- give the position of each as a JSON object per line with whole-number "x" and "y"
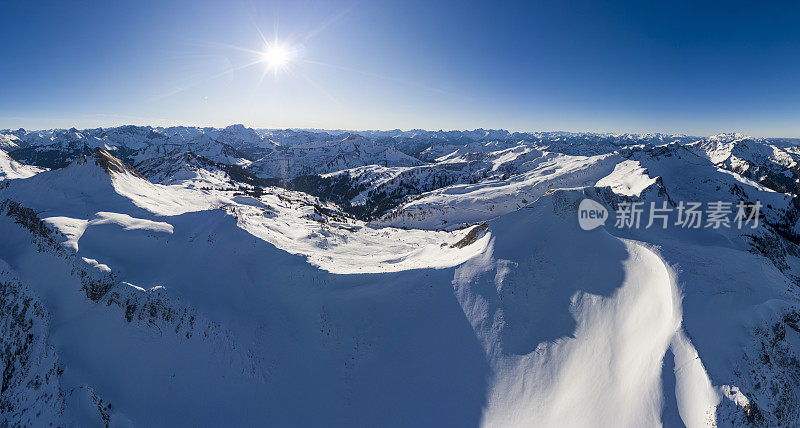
{"x": 771, "y": 165}
{"x": 189, "y": 168}
{"x": 202, "y": 276}
{"x": 328, "y": 156}
{"x": 57, "y": 148}
{"x": 202, "y": 145}
{"x": 246, "y": 140}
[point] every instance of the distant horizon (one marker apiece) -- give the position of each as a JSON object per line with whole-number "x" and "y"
{"x": 344, "y": 130}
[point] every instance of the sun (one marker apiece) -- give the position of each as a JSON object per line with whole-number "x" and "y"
{"x": 276, "y": 56}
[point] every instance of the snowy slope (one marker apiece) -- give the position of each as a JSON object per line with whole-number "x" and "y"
{"x": 10, "y": 168}
{"x": 9, "y": 142}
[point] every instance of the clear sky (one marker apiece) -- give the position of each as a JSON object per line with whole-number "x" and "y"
{"x": 688, "y": 67}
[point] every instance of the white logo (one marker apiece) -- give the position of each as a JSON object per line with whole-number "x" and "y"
{"x": 591, "y": 214}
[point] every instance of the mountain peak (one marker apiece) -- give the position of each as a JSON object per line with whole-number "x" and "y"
{"x": 108, "y": 162}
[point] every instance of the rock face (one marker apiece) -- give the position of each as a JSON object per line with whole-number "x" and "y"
{"x": 30, "y": 391}
{"x": 399, "y": 278}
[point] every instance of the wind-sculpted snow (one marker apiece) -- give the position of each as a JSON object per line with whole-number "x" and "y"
{"x": 628, "y": 179}
{"x": 606, "y": 349}
{"x": 454, "y": 287}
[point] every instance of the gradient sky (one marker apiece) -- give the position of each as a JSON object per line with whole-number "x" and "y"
{"x": 686, "y": 67}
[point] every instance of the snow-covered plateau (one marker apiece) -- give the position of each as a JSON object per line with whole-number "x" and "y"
{"x": 190, "y": 276}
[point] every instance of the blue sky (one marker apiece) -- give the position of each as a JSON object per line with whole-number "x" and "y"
{"x": 686, "y": 67}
